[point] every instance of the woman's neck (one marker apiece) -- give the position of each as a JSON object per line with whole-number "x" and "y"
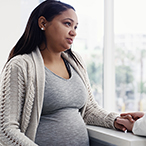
{"x": 54, "y": 62}
{"x": 49, "y": 55}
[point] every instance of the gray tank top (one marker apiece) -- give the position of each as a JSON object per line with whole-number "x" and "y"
{"x": 61, "y": 123}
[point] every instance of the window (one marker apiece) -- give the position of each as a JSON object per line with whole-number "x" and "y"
{"x": 130, "y": 55}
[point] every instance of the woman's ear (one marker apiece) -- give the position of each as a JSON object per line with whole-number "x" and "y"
{"x": 42, "y": 22}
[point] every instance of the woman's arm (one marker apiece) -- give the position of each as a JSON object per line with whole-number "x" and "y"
{"x": 12, "y": 94}
{"x": 92, "y": 113}
{"x": 95, "y": 115}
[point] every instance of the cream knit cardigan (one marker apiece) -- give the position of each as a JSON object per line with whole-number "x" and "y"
{"x": 21, "y": 99}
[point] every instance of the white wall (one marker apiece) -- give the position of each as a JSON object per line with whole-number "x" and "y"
{"x": 13, "y": 17}
{"x": 9, "y": 27}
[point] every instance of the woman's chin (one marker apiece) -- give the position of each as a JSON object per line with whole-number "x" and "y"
{"x": 67, "y": 48}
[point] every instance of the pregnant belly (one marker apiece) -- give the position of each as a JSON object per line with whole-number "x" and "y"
{"x": 62, "y": 128}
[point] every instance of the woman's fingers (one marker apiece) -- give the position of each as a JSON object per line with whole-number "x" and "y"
{"x": 126, "y": 123}
{"x": 120, "y": 127}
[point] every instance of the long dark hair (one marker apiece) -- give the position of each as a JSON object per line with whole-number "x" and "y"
{"x": 33, "y": 36}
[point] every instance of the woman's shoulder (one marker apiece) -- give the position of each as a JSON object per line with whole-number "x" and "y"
{"x": 80, "y": 58}
{"x": 20, "y": 62}
{"x": 77, "y": 54}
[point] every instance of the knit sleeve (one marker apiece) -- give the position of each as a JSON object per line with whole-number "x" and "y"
{"x": 12, "y": 93}
{"x": 96, "y": 115}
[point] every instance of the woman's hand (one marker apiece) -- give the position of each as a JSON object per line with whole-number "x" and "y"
{"x": 126, "y": 123}
{"x": 120, "y": 126}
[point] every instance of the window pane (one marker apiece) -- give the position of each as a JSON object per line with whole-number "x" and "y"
{"x": 130, "y": 54}
{"x": 89, "y": 40}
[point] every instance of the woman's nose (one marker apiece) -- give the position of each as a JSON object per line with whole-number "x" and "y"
{"x": 73, "y": 32}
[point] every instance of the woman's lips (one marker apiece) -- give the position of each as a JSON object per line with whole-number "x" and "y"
{"x": 70, "y": 41}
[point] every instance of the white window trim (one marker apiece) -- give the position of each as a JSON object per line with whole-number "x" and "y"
{"x": 109, "y": 66}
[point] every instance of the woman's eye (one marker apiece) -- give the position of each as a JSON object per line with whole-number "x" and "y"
{"x": 67, "y": 23}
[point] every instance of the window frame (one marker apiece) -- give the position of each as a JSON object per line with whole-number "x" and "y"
{"x": 108, "y": 55}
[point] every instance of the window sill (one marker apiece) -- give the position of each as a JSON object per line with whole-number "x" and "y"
{"x": 114, "y": 137}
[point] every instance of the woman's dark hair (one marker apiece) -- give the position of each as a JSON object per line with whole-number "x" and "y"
{"x": 33, "y": 36}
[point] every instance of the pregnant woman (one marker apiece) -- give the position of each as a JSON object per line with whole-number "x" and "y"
{"x": 45, "y": 95}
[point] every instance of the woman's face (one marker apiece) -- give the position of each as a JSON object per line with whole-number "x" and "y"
{"x": 61, "y": 31}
